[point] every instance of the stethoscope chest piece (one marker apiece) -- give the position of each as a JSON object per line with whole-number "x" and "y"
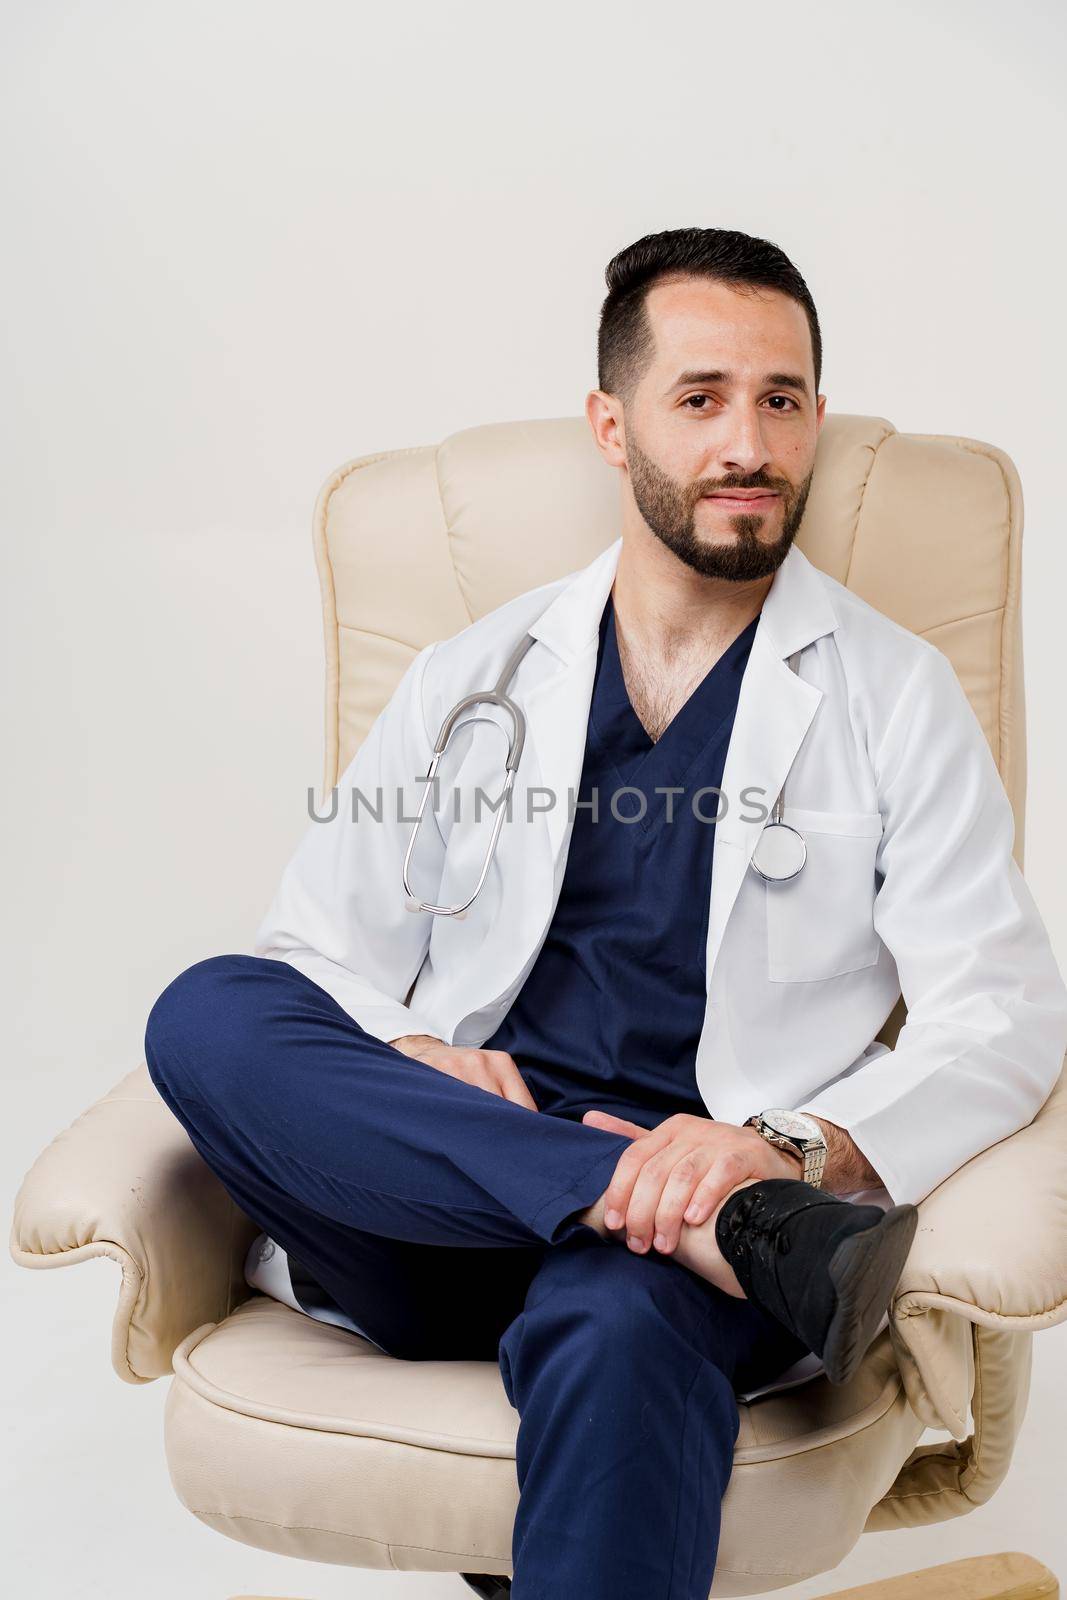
{"x": 779, "y": 853}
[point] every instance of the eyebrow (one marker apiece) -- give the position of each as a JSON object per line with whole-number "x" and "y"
{"x": 780, "y": 380}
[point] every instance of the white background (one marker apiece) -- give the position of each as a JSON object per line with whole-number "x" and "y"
{"x": 245, "y": 242}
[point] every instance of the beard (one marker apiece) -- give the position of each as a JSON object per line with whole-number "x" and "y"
{"x": 669, "y": 509}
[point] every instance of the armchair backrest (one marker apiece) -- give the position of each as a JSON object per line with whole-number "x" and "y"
{"x": 413, "y": 544}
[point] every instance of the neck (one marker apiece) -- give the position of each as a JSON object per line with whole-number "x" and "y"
{"x": 666, "y": 610}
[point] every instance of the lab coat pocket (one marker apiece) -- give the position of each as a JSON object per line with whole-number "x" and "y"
{"x": 820, "y": 924}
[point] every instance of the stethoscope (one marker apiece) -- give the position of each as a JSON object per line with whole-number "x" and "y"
{"x": 779, "y": 853}
{"x": 496, "y": 696}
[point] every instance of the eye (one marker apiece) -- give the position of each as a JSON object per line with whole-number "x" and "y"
{"x": 792, "y": 402}
{"x": 697, "y": 397}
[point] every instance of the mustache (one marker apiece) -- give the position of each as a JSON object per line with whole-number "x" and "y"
{"x": 758, "y": 480}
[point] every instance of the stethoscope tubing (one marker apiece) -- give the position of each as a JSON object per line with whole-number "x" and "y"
{"x": 498, "y": 696}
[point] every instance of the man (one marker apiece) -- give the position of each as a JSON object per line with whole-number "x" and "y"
{"x": 638, "y": 1252}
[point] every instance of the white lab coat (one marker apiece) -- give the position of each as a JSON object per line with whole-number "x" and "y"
{"x": 909, "y": 886}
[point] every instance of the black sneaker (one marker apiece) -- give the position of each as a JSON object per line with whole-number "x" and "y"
{"x": 824, "y": 1267}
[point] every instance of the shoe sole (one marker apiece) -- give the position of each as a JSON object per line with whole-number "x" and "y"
{"x": 865, "y": 1269}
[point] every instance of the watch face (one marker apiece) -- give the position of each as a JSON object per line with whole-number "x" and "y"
{"x": 793, "y": 1123}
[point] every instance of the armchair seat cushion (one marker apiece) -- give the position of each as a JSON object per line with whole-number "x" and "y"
{"x": 305, "y": 1439}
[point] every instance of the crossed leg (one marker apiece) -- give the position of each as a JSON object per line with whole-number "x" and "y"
{"x": 447, "y": 1222}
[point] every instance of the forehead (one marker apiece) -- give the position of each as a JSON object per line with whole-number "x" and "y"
{"x": 697, "y": 322}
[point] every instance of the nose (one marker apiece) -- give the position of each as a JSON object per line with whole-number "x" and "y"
{"x": 743, "y": 449}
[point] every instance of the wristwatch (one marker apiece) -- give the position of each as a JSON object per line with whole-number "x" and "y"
{"x": 796, "y": 1131}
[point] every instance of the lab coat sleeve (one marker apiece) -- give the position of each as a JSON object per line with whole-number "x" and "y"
{"x": 339, "y": 914}
{"x": 986, "y": 1030}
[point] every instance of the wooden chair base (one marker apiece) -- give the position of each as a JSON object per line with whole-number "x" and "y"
{"x": 1008, "y": 1575}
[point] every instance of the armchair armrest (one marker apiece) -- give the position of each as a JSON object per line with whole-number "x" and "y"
{"x": 986, "y": 1271}
{"x": 990, "y": 1250}
{"x": 125, "y": 1181}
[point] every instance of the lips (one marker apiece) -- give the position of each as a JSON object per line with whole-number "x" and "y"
{"x": 743, "y": 497}
{"x": 740, "y": 494}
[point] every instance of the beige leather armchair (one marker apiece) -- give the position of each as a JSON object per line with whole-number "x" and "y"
{"x": 298, "y": 1437}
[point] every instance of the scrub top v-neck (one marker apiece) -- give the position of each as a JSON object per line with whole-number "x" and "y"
{"x": 611, "y": 1012}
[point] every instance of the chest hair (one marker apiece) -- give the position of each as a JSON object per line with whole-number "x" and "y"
{"x": 658, "y": 689}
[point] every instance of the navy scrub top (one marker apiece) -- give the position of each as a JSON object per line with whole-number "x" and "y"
{"x": 611, "y": 1012}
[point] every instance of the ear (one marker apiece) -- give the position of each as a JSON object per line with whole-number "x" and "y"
{"x": 604, "y": 412}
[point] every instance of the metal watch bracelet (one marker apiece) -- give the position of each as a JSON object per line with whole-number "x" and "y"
{"x": 813, "y": 1156}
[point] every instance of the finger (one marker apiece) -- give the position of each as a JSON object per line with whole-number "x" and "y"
{"x": 682, "y": 1183}
{"x": 724, "y": 1175}
{"x": 513, "y": 1087}
{"x": 617, "y": 1194}
{"x": 647, "y": 1193}
{"x": 512, "y": 1084}
{"x": 613, "y": 1124}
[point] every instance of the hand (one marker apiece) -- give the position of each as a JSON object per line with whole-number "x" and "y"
{"x": 681, "y": 1172}
{"x": 494, "y": 1070}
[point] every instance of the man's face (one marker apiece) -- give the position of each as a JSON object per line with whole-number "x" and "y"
{"x": 728, "y": 403}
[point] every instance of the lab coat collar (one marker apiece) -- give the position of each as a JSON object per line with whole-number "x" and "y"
{"x": 796, "y": 609}
{"x": 775, "y": 709}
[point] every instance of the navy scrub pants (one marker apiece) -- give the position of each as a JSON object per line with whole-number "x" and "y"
{"x": 442, "y": 1218}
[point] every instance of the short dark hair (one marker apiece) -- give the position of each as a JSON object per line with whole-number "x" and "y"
{"x": 625, "y": 343}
